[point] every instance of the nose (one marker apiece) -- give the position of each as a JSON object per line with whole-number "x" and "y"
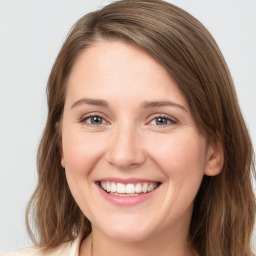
{"x": 125, "y": 149}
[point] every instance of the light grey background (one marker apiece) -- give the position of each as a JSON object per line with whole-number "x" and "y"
{"x": 32, "y": 32}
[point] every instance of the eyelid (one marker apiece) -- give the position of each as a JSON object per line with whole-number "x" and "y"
{"x": 88, "y": 115}
{"x": 172, "y": 119}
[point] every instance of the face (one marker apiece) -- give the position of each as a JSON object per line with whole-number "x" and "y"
{"x": 133, "y": 155}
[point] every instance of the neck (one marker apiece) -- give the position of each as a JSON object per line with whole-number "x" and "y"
{"x": 162, "y": 245}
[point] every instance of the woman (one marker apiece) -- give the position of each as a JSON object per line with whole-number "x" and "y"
{"x": 145, "y": 150}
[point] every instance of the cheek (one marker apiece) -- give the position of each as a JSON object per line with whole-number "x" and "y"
{"x": 182, "y": 160}
{"x": 80, "y": 152}
{"x": 181, "y": 155}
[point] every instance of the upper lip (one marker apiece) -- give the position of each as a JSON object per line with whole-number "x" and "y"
{"x": 127, "y": 180}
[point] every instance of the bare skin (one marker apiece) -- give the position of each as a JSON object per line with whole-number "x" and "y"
{"x": 126, "y": 121}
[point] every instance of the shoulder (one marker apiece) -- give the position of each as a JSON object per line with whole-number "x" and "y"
{"x": 65, "y": 249}
{"x": 21, "y": 252}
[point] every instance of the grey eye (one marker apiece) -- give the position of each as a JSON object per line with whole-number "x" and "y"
{"x": 161, "y": 121}
{"x": 95, "y": 120}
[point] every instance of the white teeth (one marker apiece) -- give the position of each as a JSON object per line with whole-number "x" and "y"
{"x": 150, "y": 187}
{"x": 120, "y": 188}
{"x": 138, "y": 188}
{"x": 128, "y": 189}
{"x": 113, "y": 187}
{"x": 116, "y": 194}
{"x": 145, "y": 188}
{"x": 108, "y": 186}
{"x": 104, "y": 185}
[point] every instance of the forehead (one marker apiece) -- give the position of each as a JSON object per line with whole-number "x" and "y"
{"x": 114, "y": 68}
{"x": 113, "y": 56}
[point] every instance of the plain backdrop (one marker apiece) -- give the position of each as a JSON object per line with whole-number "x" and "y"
{"x": 31, "y": 34}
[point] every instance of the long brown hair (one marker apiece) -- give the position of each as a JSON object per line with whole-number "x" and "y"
{"x": 224, "y": 208}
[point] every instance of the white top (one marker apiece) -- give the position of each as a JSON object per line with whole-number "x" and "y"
{"x": 65, "y": 249}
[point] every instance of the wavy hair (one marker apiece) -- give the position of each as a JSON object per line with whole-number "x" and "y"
{"x": 224, "y": 208}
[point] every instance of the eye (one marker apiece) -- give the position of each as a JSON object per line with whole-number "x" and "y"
{"x": 162, "y": 120}
{"x": 93, "y": 120}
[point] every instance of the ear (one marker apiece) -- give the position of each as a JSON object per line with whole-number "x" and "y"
{"x": 61, "y": 153}
{"x": 60, "y": 146}
{"x": 215, "y": 159}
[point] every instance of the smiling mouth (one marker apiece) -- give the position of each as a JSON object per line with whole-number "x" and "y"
{"x": 131, "y": 189}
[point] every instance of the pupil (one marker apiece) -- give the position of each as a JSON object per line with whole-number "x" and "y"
{"x": 96, "y": 120}
{"x": 161, "y": 120}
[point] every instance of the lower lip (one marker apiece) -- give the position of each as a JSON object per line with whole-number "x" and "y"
{"x": 126, "y": 200}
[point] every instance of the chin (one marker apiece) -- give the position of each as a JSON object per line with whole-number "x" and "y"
{"x": 127, "y": 231}
{"x": 129, "y": 235}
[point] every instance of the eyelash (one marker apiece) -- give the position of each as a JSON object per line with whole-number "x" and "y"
{"x": 90, "y": 116}
{"x": 169, "y": 120}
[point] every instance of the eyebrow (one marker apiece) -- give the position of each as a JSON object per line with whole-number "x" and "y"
{"x": 145, "y": 104}
{"x": 155, "y": 104}
{"x": 94, "y": 102}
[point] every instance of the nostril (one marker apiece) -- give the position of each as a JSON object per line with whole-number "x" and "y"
{"x": 126, "y": 159}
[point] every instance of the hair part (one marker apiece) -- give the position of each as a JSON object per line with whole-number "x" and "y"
{"x": 224, "y": 209}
